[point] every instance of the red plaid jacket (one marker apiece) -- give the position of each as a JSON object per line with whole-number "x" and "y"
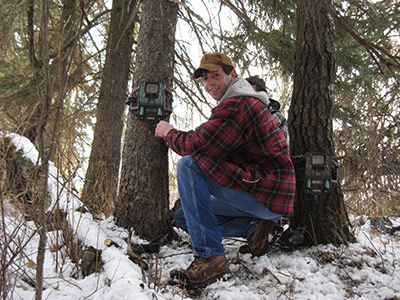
{"x": 241, "y": 147}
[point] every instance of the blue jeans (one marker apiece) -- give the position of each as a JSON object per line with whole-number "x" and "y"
{"x": 210, "y": 211}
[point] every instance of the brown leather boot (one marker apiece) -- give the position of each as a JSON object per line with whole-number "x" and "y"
{"x": 258, "y": 242}
{"x": 201, "y": 272}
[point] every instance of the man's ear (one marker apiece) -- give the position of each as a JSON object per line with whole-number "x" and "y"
{"x": 234, "y": 74}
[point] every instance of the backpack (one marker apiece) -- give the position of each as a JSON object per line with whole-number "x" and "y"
{"x": 274, "y": 108}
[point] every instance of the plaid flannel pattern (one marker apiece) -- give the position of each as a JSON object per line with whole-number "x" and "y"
{"x": 241, "y": 147}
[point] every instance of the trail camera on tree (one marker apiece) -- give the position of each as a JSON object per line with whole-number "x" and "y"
{"x": 151, "y": 100}
{"x": 320, "y": 173}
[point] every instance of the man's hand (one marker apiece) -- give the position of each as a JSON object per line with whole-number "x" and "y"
{"x": 162, "y": 129}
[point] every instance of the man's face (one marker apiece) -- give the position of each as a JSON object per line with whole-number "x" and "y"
{"x": 216, "y": 83}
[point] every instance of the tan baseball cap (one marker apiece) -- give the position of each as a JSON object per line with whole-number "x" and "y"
{"x": 212, "y": 62}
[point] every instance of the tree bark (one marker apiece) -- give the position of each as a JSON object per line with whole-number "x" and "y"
{"x": 101, "y": 180}
{"x": 45, "y": 92}
{"x": 310, "y": 123}
{"x": 143, "y": 201}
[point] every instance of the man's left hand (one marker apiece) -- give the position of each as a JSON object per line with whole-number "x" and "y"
{"x": 162, "y": 129}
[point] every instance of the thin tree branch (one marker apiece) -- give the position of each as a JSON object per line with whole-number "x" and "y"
{"x": 374, "y": 50}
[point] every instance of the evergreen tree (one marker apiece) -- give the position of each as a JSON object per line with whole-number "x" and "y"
{"x": 143, "y": 200}
{"x": 310, "y": 123}
{"x": 101, "y": 179}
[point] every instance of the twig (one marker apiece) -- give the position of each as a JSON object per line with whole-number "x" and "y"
{"x": 273, "y": 275}
{"x": 376, "y": 250}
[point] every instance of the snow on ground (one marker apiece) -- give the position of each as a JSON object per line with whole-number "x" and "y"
{"x": 367, "y": 269}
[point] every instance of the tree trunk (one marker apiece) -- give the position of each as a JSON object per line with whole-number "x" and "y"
{"x": 143, "y": 201}
{"x": 45, "y": 93}
{"x": 310, "y": 122}
{"x": 101, "y": 180}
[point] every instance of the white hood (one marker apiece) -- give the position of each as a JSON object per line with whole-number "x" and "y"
{"x": 241, "y": 87}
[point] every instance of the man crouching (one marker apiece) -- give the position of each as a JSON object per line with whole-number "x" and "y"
{"x": 235, "y": 177}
